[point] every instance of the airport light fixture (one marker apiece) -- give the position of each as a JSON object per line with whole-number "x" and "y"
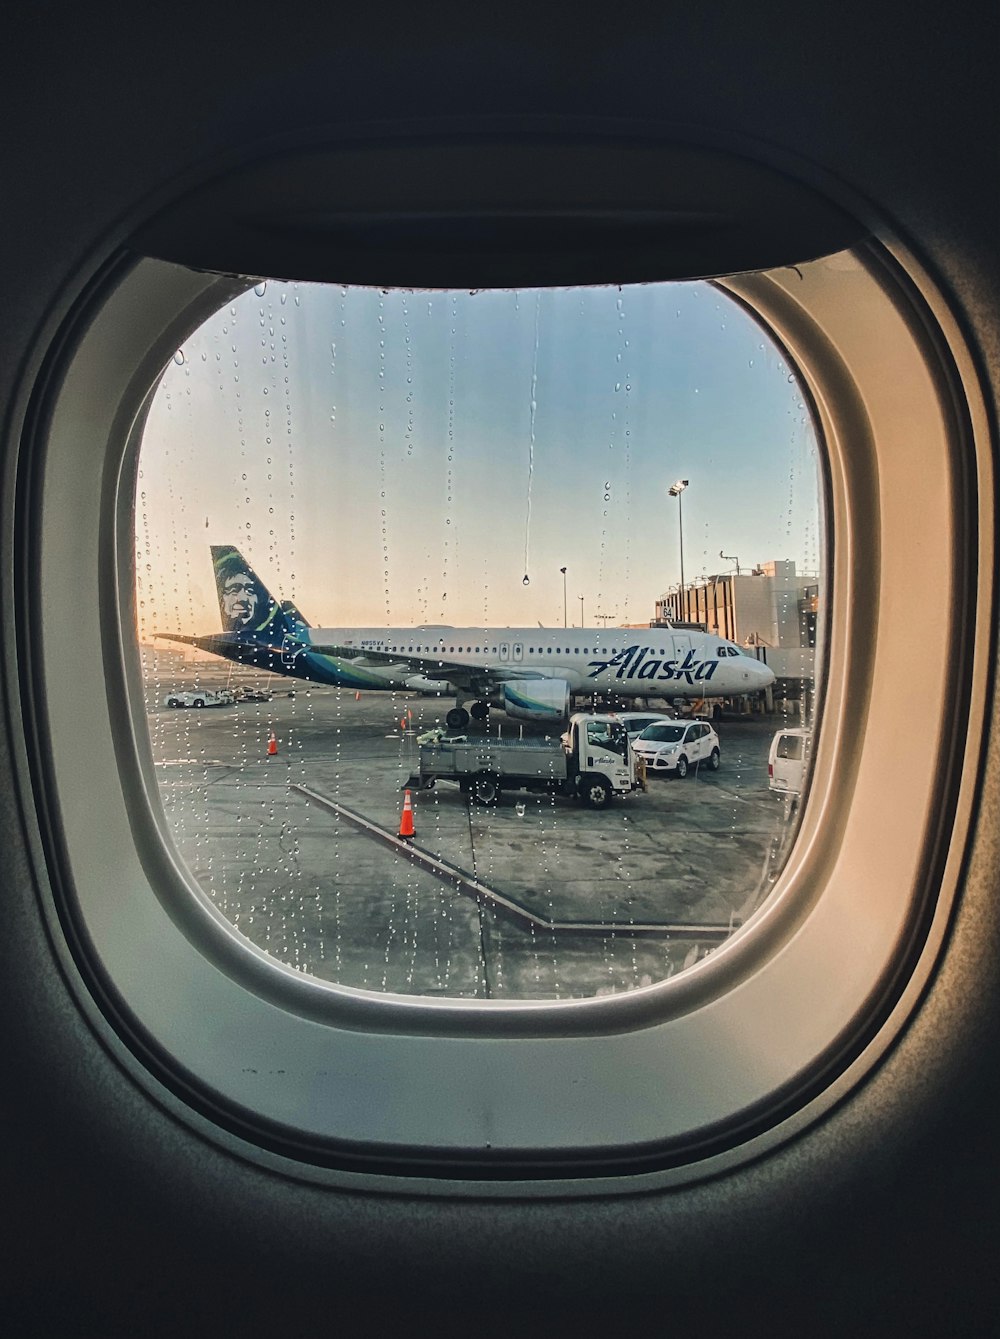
{"x": 565, "y": 619}
{"x": 727, "y": 558}
{"x": 675, "y": 490}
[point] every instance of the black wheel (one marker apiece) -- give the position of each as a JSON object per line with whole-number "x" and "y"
{"x": 457, "y": 718}
{"x": 714, "y": 760}
{"x": 485, "y": 788}
{"x": 479, "y": 711}
{"x": 682, "y": 766}
{"x": 595, "y": 792}
{"x": 198, "y": 702}
{"x": 172, "y": 702}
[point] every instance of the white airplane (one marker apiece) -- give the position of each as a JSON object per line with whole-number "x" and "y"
{"x": 531, "y": 672}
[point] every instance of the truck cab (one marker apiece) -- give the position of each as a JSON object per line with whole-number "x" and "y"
{"x": 600, "y": 754}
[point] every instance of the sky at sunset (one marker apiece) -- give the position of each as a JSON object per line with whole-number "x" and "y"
{"x": 400, "y": 457}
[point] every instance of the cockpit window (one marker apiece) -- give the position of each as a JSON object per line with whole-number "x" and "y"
{"x": 337, "y": 486}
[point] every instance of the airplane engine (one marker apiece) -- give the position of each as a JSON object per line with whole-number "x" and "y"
{"x": 419, "y": 683}
{"x": 536, "y": 699}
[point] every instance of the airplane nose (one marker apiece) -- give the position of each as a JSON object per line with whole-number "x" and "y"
{"x": 765, "y": 676}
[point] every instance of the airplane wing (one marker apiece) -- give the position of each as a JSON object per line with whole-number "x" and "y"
{"x": 471, "y": 677}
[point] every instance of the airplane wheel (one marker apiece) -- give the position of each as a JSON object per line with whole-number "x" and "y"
{"x": 457, "y": 718}
{"x": 479, "y": 711}
{"x": 485, "y": 788}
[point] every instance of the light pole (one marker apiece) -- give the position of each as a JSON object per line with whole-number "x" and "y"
{"x": 675, "y": 490}
{"x": 565, "y": 620}
{"x": 580, "y": 598}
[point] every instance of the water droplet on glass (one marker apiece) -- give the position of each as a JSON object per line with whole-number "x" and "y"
{"x": 179, "y": 357}
{"x": 261, "y": 288}
{"x": 525, "y": 580}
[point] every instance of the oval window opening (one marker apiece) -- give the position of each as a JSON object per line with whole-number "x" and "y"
{"x": 480, "y": 630}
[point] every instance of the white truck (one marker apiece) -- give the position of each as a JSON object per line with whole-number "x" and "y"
{"x": 593, "y": 762}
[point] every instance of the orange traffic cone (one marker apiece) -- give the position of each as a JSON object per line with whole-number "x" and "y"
{"x": 272, "y": 745}
{"x": 406, "y": 831}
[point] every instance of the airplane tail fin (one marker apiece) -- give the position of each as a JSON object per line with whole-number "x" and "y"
{"x": 246, "y": 606}
{"x": 289, "y": 608}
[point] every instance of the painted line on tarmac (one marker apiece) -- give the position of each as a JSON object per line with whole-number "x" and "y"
{"x": 465, "y": 882}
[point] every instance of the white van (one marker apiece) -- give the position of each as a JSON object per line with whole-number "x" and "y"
{"x": 787, "y": 759}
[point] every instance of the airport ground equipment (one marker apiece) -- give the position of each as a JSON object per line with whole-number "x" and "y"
{"x": 593, "y": 761}
{"x": 198, "y": 697}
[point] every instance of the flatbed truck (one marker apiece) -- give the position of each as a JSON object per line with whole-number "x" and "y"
{"x": 592, "y": 762}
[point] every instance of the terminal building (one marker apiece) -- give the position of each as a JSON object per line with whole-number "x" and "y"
{"x": 771, "y": 608}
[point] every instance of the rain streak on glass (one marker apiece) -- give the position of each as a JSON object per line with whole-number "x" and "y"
{"x": 385, "y": 541}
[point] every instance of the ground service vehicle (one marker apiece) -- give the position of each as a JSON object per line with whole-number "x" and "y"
{"x": 636, "y": 721}
{"x": 676, "y": 746}
{"x": 200, "y": 697}
{"x": 787, "y": 759}
{"x": 248, "y": 694}
{"x": 509, "y": 1170}
{"x": 593, "y": 761}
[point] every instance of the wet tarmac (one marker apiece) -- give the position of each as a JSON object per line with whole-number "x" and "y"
{"x": 537, "y": 897}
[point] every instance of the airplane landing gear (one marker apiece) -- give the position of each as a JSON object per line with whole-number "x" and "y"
{"x": 457, "y": 718}
{"x": 479, "y": 711}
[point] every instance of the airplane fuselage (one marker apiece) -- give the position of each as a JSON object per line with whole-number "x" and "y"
{"x": 637, "y": 661}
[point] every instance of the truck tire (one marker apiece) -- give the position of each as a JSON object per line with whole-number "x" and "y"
{"x": 595, "y": 792}
{"x": 198, "y": 702}
{"x": 485, "y": 788}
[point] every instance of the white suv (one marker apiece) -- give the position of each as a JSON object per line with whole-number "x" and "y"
{"x": 676, "y": 746}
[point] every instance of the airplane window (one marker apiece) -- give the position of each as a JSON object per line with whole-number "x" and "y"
{"x": 261, "y": 863}
{"x": 347, "y": 477}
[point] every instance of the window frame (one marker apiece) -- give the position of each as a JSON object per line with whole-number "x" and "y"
{"x": 114, "y": 887}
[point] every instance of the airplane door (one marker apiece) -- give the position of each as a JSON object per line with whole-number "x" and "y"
{"x": 518, "y": 649}
{"x": 682, "y": 645}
